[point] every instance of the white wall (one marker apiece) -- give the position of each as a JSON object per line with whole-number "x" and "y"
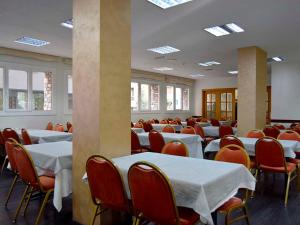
{"x": 286, "y": 90}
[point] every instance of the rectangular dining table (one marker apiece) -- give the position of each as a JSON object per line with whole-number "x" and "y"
{"x": 213, "y": 131}
{"x": 203, "y": 185}
{"x": 192, "y": 141}
{"x": 44, "y": 136}
{"x": 138, "y": 130}
{"x": 54, "y": 158}
{"x": 159, "y": 127}
{"x": 202, "y": 124}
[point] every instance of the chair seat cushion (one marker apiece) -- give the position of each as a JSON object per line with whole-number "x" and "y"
{"x": 187, "y": 216}
{"x": 295, "y": 161}
{"x": 233, "y": 202}
{"x": 47, "y": 183}
{"x": 289, "y": 166}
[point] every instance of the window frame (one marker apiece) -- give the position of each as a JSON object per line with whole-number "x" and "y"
{"x": 67, "y": 111}
{"x": 182, "y": 87}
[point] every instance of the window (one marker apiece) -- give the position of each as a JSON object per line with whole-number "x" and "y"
{"x": 186, "y": 99}
{"x": 178, "y": 95}
{"x": 42, "y": 91}
{"x": 145, "y": 97}
{"x": 154, "y": 89}
{"x": 70, "y": 92}
{"x": 1, "y": 89}
{"x": 17, "y": 89}
{"x": 170, "y": 98}
{"x": 134, "y": 96}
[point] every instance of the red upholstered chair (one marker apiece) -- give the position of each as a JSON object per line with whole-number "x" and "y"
{"x": 294, "y": 125}
{"x": 156, "y": 140}
{"x": 10, "y": 133}
{"x": 215, "y": 122}
{"x": 147, "y": 127}
{"x": 188, "y": 130}
{"x": 297, "y": 129}
{"x": 225, "y": 130}
{"x": 156, "y": 121}
{"x": 141, "y": 121}
{"x": 34, "y": 183}
{"x": 255, "y": 134}
{"x": 70, "y": 130}
{"x": 26, "y": 138}
{"x": 2, "y": 146}
{"x": 164, "y": 122}
{"x": 234, "y": 154}
{"x": 175, "y": 148}
{"x": 177, "y": 119}
{"x": 69, "y": 125}
{"x": 151, "y": 121}
{"x": 132, "y": 124}
{"x": 191, "y": 123}
{"x": 138, "y": 125}
{"x": 269, "y": 156}
{"x": 234, "y": 123}
{"x": 157, "y": 205}
{"x": 279, "y": 126}
{"x": 59, "y": 127}
{"x": 49, "y": 126}
{"x": 135, "y": 144}
{"x": 271, "y": 131}
{"x": 204, "y": 120}
{"x": 104, "y": 179}
{"x": 230, "y": 140}
{"x": 199, "y": 130}
{"x": 173, "y": 122}
{"x": 292, "y": 136}
{"x": 168, "y": 129}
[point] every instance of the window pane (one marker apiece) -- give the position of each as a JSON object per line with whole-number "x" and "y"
{"x": 70, "y": 92}
{"x": 18, "y": 89}
{"x": 144, "y": 97}
{"x": 178, "y": 94}
{"x": 223, "y": 106}
{"x": 213, "y": 97}
{"x": 223, "y": 97}
{"x": 208, "y": 98}
{"x": 186, "y": 99}
{"x": 154, "y": 89}
{"x": 229, "y": 97}
{"x": 134, "y": 96}
{"x": 1, "y": 89}
{"x": 42, "y": 90}
{"x": 170, "y": 98}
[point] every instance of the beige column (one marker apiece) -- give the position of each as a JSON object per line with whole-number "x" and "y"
{"x": 101, "y": 89}
{"x": 252, "y": 93}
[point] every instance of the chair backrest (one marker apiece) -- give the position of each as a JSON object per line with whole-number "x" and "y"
{"x": 138, "y": 125}
{"x": 2, "y": 141}
{"x": 9, "y": 147}
{"x": 271, "y": 131}
{"x": 157, "y": 205}
{"x": 156, "y": 140}
{"x": 132, "y": 124}
{"x": 168, "y": 129}
{"x": 59, "y": 127}
{"x": 49, "y": 126}
{"x": 230, "y": 140}
{"x": 233, "y": 123}
{"x": 164, "y": 122}
{"x": 225, "y": 130}
{"x": 135, "y": 142}
{"x": 279, "y": 126}
{"x": 156, "y": 120}
{"x": 175, "y": 147}
{"x": 215, "y": 122}
{"x": 69, "y": 125}
{"x": 26, "y": 167}
{"x": 188, "y": 130}
{"x": 255, "y": 134}
{"x": 106, "y": 184}
{"x": 297, "y": 129}
{"x": 269, "y": 152}
{"x": 26, "y": 138}
{"x": 147, "y": 127}
{"x": 203, "y": 119}
{"x": 191, "y": 122}
{"x": 289, "y": 135}
{"x": 10, "y": 133}
{"x": 294, "y": 125}
{"x": 199, "y": 130}
{"x": 233, "y": 154}
{"x": 70, "y": 130}
{"x": 173, "y": 122}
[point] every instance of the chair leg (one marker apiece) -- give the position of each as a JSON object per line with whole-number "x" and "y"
{"x": 246, "y": 215}
{"x": 94, "y": 215}
{"x": 27, "y": 201}
{"x": 256, "y": 174}
{"x": 4, "y": 164}
{"x": 287, "y": 189}
{"x": 43, "y": 207}
{"x": 12, "y": 186}
{"x": 20, "y": 204}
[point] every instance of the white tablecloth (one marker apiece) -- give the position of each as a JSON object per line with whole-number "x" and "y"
{"x": 203, "y": 185}
{"x": 44, "y": 136}
{"x": 202, "y": 124}
{"x": 138, "y": 130}
{"x": 225, "y": 122}
{"x": 159, "y": 127}
{"x": 213, "y": 131}
{"x": 193, "y": 142}
{"x": 289, "y": 147}
{"x": 54, "y": 157}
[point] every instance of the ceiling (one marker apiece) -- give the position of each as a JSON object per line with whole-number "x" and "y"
{"x": 270, "y": 24}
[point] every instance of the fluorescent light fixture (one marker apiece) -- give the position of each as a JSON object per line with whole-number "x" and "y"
{"x": 211, "y": 63}
{"x": 31, "y": 41}
{"x": 163, "y": 68}
{"x": 164, "y": 50}
{"x": 197, "y": 75}
{"x": 217, "y": 31}
{"x": 68, "y": 23}
{"x": 235, "y": 28}
{"x": 233, "y": 72}
{"x": 164, "y": 4}
{"x": 277, "y": 59}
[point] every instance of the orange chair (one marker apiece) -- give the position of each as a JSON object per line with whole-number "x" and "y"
{"x": 70, "y": 130}
{"x": 164, "y": 122}
{"x": 191, "y": 123}
{"x": 104, "y": 179}
{"x": 173, "y": 122}
{"x": 230, "y": 140}
{"x": 297, "y": 129}
{"x": 157, "y": 205}
{"x": 34, "y": 183}
{"x": 49, "y": 126}
{"x": 138, "y": 125}
{"x": 141, "y": 121}
{"x": 215, "y": 122}
{"x": 255, "y": 134}
{"x": 269, "y": 156}
{"x": 204, "y": 120}
{"x": 168, "y": 129}
{"x": 175, "y": 148}
{"x": 10, "y": 133}
{"x": 188, "y": 130}
{"x": 293, "y": 125}
{"x": 135, "y": 144}
{"x": 234, "y": 154}
{"x": 156, "y": 140}
{"x": 225, "y": 130}
{"x": 59, "y": 127}
{"x": 147, "y": 127}
{"x": 279, "y": 126}
{"x": 69, "y": 125}
{"x": 26, "y": 138}
{"x": 271, "y": 131}
{"x": 156, "y": 121}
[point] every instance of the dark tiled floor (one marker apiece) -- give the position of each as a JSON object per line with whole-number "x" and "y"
{"x": 265, "y": 209}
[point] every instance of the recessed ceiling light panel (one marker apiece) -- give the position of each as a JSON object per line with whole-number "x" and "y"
{"x": 277, "y": 59}
{"x": 217, "y": 31}
{"x": 163, "y": 68}
{"x": 164, "y": 50}
{"x": 197, "y": 75}
{"x": 224, "y": 29}
{"x": 31, "y": 41}
{"x": 164, "y": 4}
{"x": 234, "y": 28}
{"x": 68, "y": 23}
{"x": 211, "y": 63}
{"x": 233, "y": 72}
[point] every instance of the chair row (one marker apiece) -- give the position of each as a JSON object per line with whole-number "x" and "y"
{"x": 60, "y": 127}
